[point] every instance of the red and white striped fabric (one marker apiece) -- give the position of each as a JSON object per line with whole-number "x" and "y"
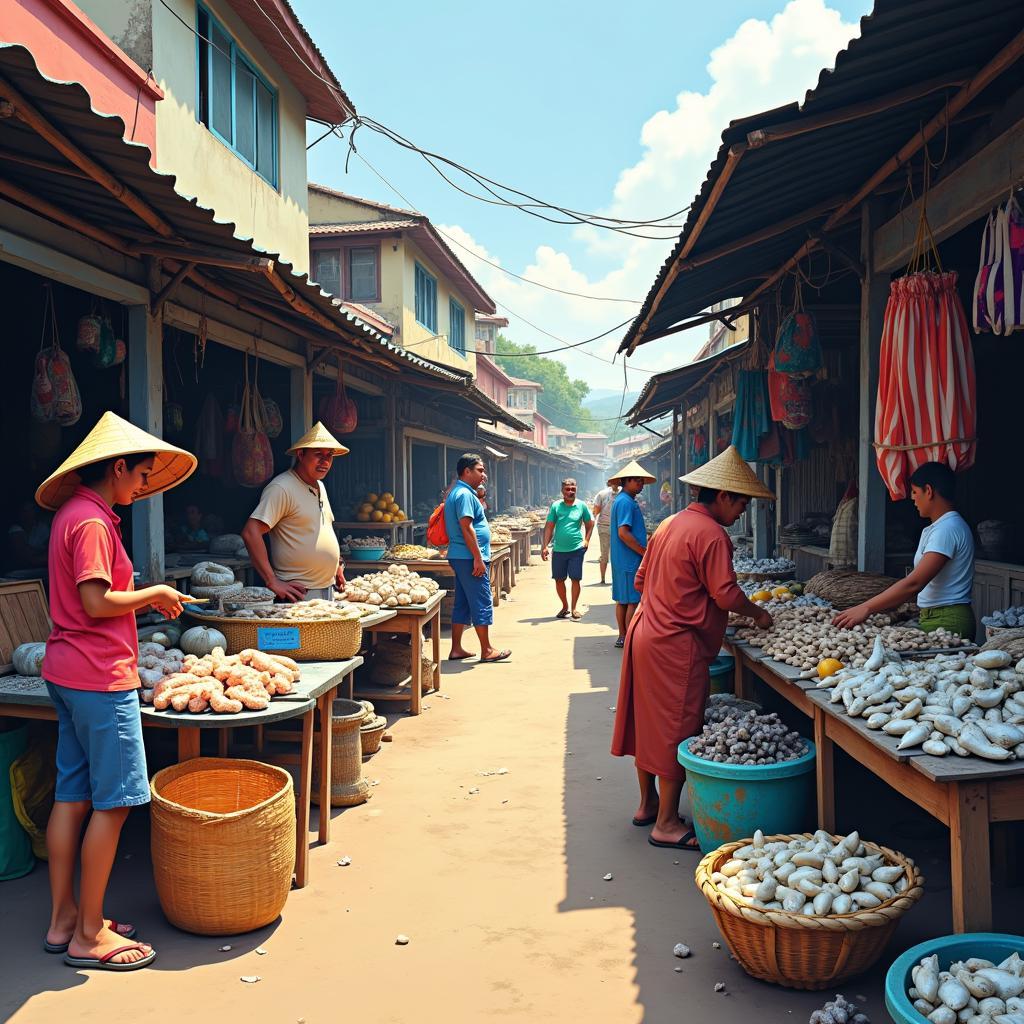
{"x": 926, "y": 408}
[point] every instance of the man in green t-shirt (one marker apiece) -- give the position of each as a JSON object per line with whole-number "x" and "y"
{"x": 571, "y": 524}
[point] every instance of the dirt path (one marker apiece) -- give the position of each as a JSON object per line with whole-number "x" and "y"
{"x": 496, "y": 878}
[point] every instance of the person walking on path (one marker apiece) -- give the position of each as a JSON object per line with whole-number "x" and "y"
{"x": 91, "y": 673}
{"x": 305, "y": 557}
{"x": 628, "y": 543}
{"x": 571, "y": 524}
{"x": 602, "y": 511}
{"x": 469, "y": 555}
{"x": 689, "y": 588}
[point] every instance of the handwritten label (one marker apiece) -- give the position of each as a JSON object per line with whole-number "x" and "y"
{"x": 277, "y": 638}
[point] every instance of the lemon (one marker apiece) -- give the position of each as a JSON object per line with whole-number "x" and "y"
{"x": 828, "y": 667}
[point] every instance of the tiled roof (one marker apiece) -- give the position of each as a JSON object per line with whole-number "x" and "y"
{"x": 361, "y": 226}
{"x": 520, "y": 382}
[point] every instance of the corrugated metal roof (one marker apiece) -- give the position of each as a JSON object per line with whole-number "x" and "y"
{"x": 194, "y": 228}
{"x": 903, "y": 43}
{"x": 276, "y": 25}
{"x": 361, "y": 226}
{"x": 664, "y": 391}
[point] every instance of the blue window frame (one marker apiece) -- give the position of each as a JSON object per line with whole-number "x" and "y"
{"x": 426, "y": 299}
{"x": 235, "y": 101}
{"x": 457, "y": 326}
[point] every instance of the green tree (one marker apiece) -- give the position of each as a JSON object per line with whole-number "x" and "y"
{"x": 561, "y": 401}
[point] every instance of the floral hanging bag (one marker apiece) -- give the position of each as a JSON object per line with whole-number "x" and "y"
{"x": 797, "y": 345}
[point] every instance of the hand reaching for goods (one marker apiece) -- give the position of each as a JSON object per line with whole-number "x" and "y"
{"x": 288, "y": 591}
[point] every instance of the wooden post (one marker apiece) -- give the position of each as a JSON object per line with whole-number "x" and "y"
{"x": 762, "y": 519}
{"x": 871, "y": 490}
{"x": 675, "y": 460}
{"x": 300, "y": 401}
{"x": 392, "y": 461}
{"x": 969, "y": 856}
{"x": 146, "y": 410}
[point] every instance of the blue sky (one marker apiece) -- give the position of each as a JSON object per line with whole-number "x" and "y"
{"x": 599, "y": 106}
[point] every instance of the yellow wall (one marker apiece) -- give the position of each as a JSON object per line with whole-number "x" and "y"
{"x": 205, "y": 168}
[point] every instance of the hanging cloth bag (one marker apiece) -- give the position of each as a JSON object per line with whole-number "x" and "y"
{"x": 338, "y": 412}
{"x": 751, "y": 419}
{"x": 797, "y": 345}
{"x": 251, "y": 456}
{"x": 789, "y": 398}
{"x": 66, "y": 401}
{"x": 998, "y": 301}
{"x": 273, "y": 421}
{"x": 209, "y": 446}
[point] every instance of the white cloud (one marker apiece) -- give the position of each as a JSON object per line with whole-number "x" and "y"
{"x": 764, "y": 64}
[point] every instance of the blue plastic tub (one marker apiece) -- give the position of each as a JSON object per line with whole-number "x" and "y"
{"x": 732, "y": 801}
{"x": 366, "y": 554}
{"x": 723, "y": 677}
{"x": 987, "y": 945}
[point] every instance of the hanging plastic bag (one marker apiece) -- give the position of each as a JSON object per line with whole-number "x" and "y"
{"x": 105, "y": 355}
{"x": 251, "y": 456}
{"x": 790, "y": 398}
{"x": 273, "y": 421}
{"x": 338, "y": 412}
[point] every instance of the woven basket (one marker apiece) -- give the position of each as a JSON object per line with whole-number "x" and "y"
{"x": 797, "y": 950}
{"x": 757, "y": 577}
{"x": 844, "y": 588}
{"x": 371, "y": 733}
{"x": 1009, "y": 639}
{"x": 348, "y": 787}
{"x": 223, "y": 843}
{"x": 319, "y": 639}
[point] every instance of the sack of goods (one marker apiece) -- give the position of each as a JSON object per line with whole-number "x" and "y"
{"x": 392, "y": 663}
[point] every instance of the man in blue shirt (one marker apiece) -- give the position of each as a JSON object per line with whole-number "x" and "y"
{"x": 628, "y": 542}
{"x": 469, "y": 555}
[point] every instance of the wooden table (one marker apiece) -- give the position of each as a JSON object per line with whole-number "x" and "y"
{"x": 397, "y": 533}
{"x": 523, "y": 545}
{"x": 965, "y": 794}
{"x": 502, "y": 572}
{"x": 410, "y": 619}
{"x": 434, "y": 567}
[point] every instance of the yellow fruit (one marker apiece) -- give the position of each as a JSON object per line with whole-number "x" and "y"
{"x": 394, "y": 507}
{"x": 381, "y": 504}
{"x": 363, "y": 517}
{"x": 377, "y": 515}
{"x": 371, "y": 498}
{"x": 366, "y": 507}
{"x": 385, "y": 517}
{"x": 780, "y": 591}
{"x": 828, "y": 667}
{"x": 761, "y": 595}
{"x": 388, "y": 497}
{"x": 400, "y": 517}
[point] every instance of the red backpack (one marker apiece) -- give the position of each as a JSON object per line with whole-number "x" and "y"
{"x": 437, "y": 528}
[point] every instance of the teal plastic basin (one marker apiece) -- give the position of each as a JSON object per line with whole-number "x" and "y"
{"x": 366, "y": 554}
{"x": 733, "y": 801}
{"x": 987, "y": 945}
{"x": 723, "y": 676}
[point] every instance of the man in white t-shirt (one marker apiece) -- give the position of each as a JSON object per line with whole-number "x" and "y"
{"x": 943, "y": 575}
{"x": 602, "y": 512}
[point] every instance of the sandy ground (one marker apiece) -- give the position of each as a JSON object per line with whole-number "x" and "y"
{"x": 501, "y": 891}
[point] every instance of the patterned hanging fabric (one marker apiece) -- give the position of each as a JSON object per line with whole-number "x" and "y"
{"x": 751, "y": 418}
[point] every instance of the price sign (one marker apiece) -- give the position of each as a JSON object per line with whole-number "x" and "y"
{"x": 277, "y": 638}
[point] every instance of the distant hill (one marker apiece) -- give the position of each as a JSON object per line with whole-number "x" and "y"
{"x": 606, "y": 407}
{"x": 596, "y": 394}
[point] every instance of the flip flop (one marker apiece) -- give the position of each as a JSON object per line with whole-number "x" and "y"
{"x": 563, "y": 614}
{"x": 62, "y": 947}
{"x": 501, "y": 657}
{"x": 644, "y": 822}
{"x": 621, "y": 642}
{"x": 458, "y": 657}
{"x": 577, "y": 615}
{"x": 106, "y": 962}
{"x": 682, "y": 844}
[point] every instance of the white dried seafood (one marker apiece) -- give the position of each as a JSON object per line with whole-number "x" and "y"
{"x": 387, "y": 589}
{"x": 973, "y": 989}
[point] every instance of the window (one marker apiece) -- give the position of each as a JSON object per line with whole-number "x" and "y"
{"x": 235, "y": 102}
{"x": 426, "y": 300}
{"x": 362, "y": 274}
{"x": 327, "y": 271}
{"x": 457, "y": 327}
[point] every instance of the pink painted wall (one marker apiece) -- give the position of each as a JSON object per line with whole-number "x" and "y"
{"x": 68, "y": 47}
{"x": 491, "y": 383}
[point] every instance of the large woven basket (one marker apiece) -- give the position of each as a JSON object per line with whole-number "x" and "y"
{"x": 797, "y": 950}
{"x": 844, "y": 588}
{"x": 223, "y": 843}
{"x": 371, "y": 734}
{"x": 319, "y": 639}
{"x": 348, "y": 787}
{"x": 1005, "y": 638}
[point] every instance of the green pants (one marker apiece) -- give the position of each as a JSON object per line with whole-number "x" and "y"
{"x": 955, "y": 618}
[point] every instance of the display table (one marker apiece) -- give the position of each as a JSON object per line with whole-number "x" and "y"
{"x": 965, "y": 794}
{"x": 396, "y": 533}
{"x": 523, "y": 544}
{"x": 502, "y": 572}
{"x": 20, "y": 698}
{"x": 411, "y": 620}
{"x": 436, "y": 568}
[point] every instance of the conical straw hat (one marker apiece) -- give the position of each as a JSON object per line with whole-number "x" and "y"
{"x": 111, "y": 438}
{"x": 633, "y": 469}
{"x": 728, "y": 472}
{"x": 318, "y": 436}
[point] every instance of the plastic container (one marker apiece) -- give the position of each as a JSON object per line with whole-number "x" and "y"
{"x": 366, "y": 554}
{"x": 731, "y": 801}
{"x": 723, "y": 674}
{"x": 987, "y": 945}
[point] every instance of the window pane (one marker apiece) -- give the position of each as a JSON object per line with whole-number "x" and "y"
{"x": 245, "y": 112}
{"x": 328, "y": 272}
{"x": 457, "y": 326}
{"x": 220, "y": 84}
{"x": 266, "y": 133}
{"x": 362, "y": 270}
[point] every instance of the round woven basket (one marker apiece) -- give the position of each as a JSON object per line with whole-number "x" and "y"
{"x": 348, "y": 787}
{"x": 319, "y": 639}
{"x": 371, "y": 733}
{"x": 797, "y": 950}
{"x": 844, "y": 588}
{"x": 208, "y": 817}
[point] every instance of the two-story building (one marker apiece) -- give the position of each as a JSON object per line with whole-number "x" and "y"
{"x": 239, "y": 81}
{"x": 627, "y": 448}
{"x": 397, "y": 263}
{"x": 592, "y": 444}
{"x": 488, "y": 326}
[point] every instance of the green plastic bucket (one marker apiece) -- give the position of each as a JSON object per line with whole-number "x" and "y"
{"x": 732, "y": 801}
{"x": 15, "y": 846}
{"x": 723, "y": 674}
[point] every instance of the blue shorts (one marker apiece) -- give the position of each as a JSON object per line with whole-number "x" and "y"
{"x": 567, "y": 563}
{"x": 473, "y": 605}
{"x": 623, "y": 591}
{"x": 100, "y": 756}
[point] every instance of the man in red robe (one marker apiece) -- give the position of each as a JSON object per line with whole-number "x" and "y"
{"x": 688, "y": 587}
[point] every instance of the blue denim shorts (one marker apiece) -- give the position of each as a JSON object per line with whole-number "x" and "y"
{"x": 473, "y": 602}
{"x": 567, "y": 563}
{"x": 100, "y": 756}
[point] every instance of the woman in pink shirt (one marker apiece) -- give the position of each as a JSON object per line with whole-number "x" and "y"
{"x": 91, "y": 673}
